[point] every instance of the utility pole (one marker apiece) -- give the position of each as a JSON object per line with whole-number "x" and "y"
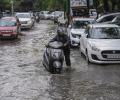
{"x": 12, "y": 7}
{"x": 88, "y": 6}
{"x": 68, "y": 11}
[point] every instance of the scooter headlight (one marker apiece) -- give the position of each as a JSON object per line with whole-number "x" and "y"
{"x": 56, "y": 56}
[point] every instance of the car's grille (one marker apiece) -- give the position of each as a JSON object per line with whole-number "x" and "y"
{"x": 111, "y": 54}
{"x": 23, "y": 22}
{"x": 75, "y": 35}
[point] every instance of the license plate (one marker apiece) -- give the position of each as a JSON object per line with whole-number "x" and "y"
{"x": 6, "y": 35}
{"x": 113, "y": 56}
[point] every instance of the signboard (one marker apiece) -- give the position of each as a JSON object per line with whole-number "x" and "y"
{"x": 77, "y": 3}
{"x": 80, "y": 3}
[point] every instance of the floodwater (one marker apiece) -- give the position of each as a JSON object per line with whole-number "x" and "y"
{"x": 23, "y": 77}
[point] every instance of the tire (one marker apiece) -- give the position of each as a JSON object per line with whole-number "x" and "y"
{"x": 57, "y": 71}
{"x": 87, "y": 57}
{"x": 80, "y": 50}
{"x": 52, "y": 70}
{"x": 16, "y": 37}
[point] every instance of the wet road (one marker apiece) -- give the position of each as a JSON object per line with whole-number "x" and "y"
{"x": 22, "y": 76}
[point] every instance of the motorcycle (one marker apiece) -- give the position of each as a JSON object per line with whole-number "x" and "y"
{"x": 37, "y": 19}
{"x": 53, "y": 57}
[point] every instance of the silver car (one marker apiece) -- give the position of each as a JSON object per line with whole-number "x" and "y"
{"x": 101, "y": 43}
{"x": 26, "y": 20}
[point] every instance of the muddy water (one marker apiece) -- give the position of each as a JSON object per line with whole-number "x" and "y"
{"x": 22, "y": 76}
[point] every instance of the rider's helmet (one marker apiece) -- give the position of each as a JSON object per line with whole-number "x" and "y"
{"x": 60, "y": 31}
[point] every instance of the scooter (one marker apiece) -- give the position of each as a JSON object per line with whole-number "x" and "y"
{"x": 53, "y": 57}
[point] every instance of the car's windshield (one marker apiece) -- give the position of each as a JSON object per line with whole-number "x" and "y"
{"x": 105, "y": 33}
{"x": 81, "y": 24}
{"x": 6, "y": 23}
{"x": 23, "y": 15}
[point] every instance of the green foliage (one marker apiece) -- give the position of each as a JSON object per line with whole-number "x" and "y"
{"x": 100, "y": 5}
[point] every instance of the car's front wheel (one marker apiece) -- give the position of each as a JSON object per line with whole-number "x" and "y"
{"x": 80, "y": 50}
{"x": 87, "y": 57}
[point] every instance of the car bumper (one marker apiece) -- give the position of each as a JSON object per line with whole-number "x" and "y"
{"x": 96, "y": 57}
{"x": 75, "y": 41}
{"x": 2, "y": 36}
{"x": 26, "y": 26}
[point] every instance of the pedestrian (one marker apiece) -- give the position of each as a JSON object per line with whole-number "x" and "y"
{"x": 62, "y": 37}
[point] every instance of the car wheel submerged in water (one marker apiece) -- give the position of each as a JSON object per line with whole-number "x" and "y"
{"x": 87, "y": 57}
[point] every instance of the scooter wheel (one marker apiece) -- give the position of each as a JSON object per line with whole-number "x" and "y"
{"x": 57, "y": 71}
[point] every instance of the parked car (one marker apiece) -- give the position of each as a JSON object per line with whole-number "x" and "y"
{"x": 26, "y": 20}
{"x": 107, "y": 18}
{"x": 9, "y": 27}
{"x": 6, "y": 14}
{"x": 62, "y": 19}
{"x": 43, "y": 14}
{"x": 58, "y": 14}
{"x": 51, "y": 15}
{"x": 100, "y": 43}
{"x": 76, "y": 28}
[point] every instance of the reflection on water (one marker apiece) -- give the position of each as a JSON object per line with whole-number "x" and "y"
{"x": 60, "y": 87}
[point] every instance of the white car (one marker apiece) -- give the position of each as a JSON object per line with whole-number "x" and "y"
{"x": 43, "y": 14}
{"x": 107, "y": 18}
{"x": 62, "y": 19}
{"x": 26, "y": 20}
{"x": 76, "y": 28}
{"x": 57, "y": 15}
{"x": 50, "y": 15}
{"x": 101, "y": 43}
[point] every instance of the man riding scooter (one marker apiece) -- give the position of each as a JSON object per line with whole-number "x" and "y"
{"x": 62, "y": 37}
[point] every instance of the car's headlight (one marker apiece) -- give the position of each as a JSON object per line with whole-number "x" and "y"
{"x": 73, "y": 35}
{"x": 29, "y": 21}
{"x": 94, "y": 48}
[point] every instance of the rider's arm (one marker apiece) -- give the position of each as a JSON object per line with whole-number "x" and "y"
{"x": 53, "y": 39}
{"x": 67, "y": 41}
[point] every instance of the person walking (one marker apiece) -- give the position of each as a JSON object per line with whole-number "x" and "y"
{"x": 62, "y": 37}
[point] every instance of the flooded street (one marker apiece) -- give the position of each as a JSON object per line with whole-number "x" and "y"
{"x": 23, "y": 77}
